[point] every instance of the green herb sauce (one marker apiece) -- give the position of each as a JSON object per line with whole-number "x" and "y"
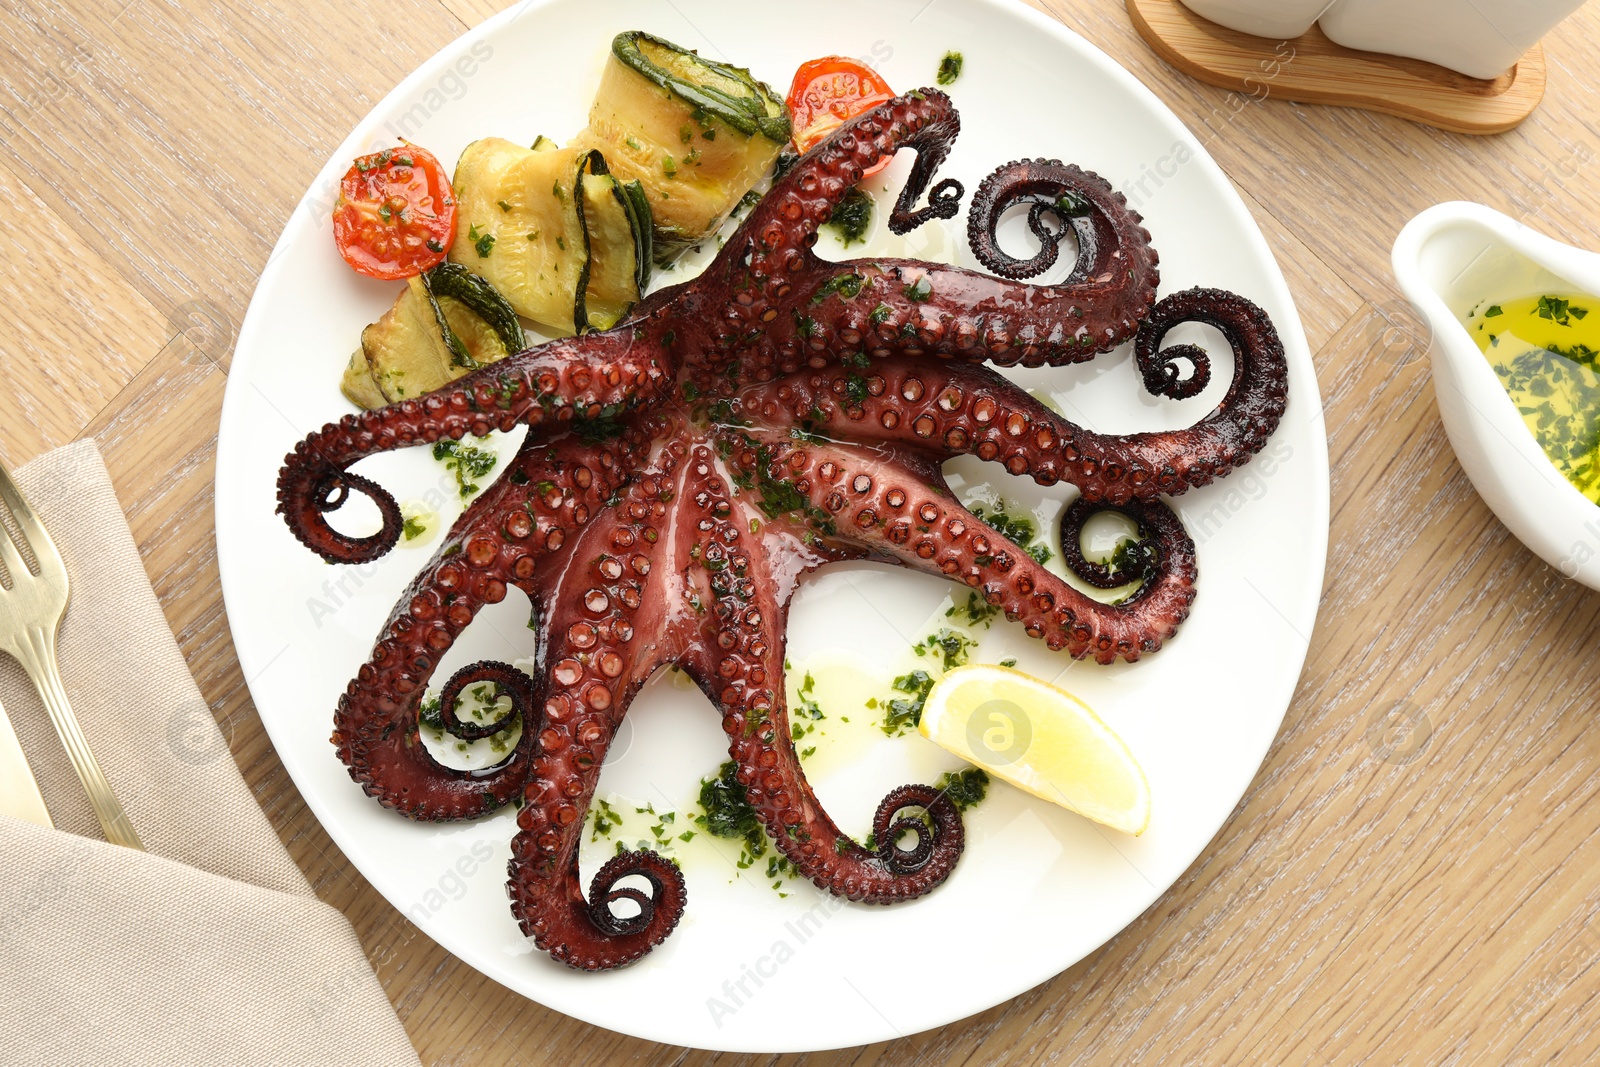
{"x": 852, "y": 216}
{"x": 1546, "y": 351}
{"x": 466, "y": 462}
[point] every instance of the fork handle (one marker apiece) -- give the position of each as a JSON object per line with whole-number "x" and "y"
{"x": 37, "y": 654}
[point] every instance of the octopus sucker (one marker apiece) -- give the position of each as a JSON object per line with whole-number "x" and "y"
{"x": 683, "y": 472}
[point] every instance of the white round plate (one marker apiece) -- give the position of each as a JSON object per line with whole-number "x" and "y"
{"x": 1038, "y": 887}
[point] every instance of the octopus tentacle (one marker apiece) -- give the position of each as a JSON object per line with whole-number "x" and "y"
{"x": 770, "y": 255}
{"x": 497, "y": 542}
{"x": 583, "y": 377}
{"x": 941, "y": 838}
{"x": 1080, "y": 200}
{"x": 375, "y": 726}
{"x": 778, "y": 234}
{"x": 887, "y": 307}
{"x": 507, "y": 680}
{"x": 931, "y": 141}
{"x": 1141, "y": 556}
{"x": 895, "y": 504}
{"x": 794, "y": 306}
{"x": 951, "y": 411}
{"x": 668, "y": 895}
{"x": 594, "y": 615}
{"x": 743, "y": 673}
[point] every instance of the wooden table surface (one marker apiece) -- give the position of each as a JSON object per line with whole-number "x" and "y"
{"x": 1413, "y": 875}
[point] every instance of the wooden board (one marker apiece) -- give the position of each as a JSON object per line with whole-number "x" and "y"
{"x": 1437, "y": 906}
{"x": 1313, "y": 70}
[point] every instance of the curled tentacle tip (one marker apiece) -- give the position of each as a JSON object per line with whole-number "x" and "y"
{"x": 1162, "y": 375}
{"x": 507, "y": 680}
{"x": 309, "y": 487}
{"x": 939, "y": 835}
{"x": 1107, "y": 230}
{"x": 944, "y": 199}
{"x": 656, "y": 913}
{"x": 1136, "y": 560}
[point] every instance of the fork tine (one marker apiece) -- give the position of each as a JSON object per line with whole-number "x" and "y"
{"x": 28, "y": 524}
{"x": 15, "y": 565}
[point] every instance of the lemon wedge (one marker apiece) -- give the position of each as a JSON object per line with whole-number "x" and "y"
{"x": 1040, "y": 739}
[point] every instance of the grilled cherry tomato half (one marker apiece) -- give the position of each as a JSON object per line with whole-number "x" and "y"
{"x": 396, "y": 214}
{"x": 830, "y": 91}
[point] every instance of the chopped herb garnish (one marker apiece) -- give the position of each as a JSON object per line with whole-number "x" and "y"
{"x": 903, "y": 713}
{"x": 808, "y": 708}
{"x": 728, "y": 813}
{"x": 852, "y": 216}
{"x": 951, "y": 645}
{"x": 1556, "y": 309}
{"x": 1019, "y": 531}
{"x": 467, "y": 462}
{"x": 949, "y": 68}
{"x": 978, "y": 612}
{"x": 966, "y": 788}
{"x": 847, "y": 285}
{"x": 606, "y": 819}
{"x": 855, "y": 389}
{"x": 483, "y": 242}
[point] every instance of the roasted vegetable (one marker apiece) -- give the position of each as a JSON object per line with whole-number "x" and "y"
{"x": 829, "y": 92}
{"x": 617, "y": 220}
{"x": 395, "y": 216}
{"x": 696, "y": 134}
{"x": 520, "y": 227}
{"x": 451, "y": 281}
{"x": 549, "y": 229}
{"x": 442, "y": 326}
{"x": 360, "y": 385}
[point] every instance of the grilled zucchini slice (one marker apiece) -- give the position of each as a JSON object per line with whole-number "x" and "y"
{"x": 519, "y": 225}
{"x": 453, "y": 282}
{"x": 617, "y": 220}
{"x": 441, "y": 327}
{"x": 553, "y": 231}
{"x": 697, "y": 135}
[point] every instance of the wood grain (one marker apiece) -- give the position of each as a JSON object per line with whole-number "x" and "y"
{"x": 72, "y": 333}
{"x": 1380, "y": 895}
{"x": 1314, "y": 70}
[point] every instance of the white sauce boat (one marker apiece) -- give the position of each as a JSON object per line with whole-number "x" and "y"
{"x": 1448, "y": 260}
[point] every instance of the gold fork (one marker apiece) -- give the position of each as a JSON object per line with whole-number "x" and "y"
{"x": 33, "y": 599}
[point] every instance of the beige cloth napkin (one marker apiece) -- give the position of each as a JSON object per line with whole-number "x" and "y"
{"x": 210, "y": 949}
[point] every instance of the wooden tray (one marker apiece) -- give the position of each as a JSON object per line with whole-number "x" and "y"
{"x": 1314, "y": 70}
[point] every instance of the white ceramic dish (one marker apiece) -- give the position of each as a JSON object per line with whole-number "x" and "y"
{"x": 1480, "y": 38}
{"x": 1280, "y": 20}
{"x": 1447, "y": 259}
{"x": 1038, "y": 887}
